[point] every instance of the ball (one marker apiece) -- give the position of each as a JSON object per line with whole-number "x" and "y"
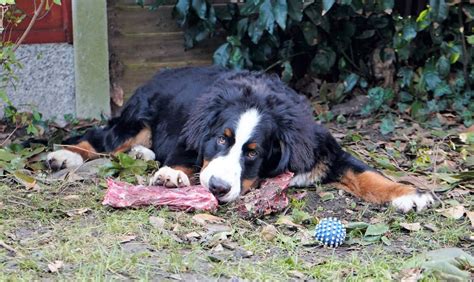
{"x": 330, "y": 232}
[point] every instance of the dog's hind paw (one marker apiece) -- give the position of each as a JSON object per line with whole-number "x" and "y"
{"x": 418, "y": 200}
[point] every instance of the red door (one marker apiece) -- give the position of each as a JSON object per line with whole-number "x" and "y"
{"x": 53, "y": 24}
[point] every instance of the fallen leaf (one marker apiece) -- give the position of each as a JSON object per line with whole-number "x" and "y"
{"x": 55, "y": 266}
{"x": 286, "y": 220}
{"x": 411, "y": 226}
{"x": 455, "y": 212}
{"x": 28, "y": 181}
{"x": 431, "y": 227}
{"x": 410, "y": 275}
{"x": 157, "y": 222}
{"x": 218, "y": 238}
{"x": 126, "y": 239}
{"x": 326, "y": 196}
{"x": 376, "y": 229}
{"x": 470, "y": 215}
{"x": 296, "y": 274}
{"x": 193, "y": 235}
{"x": 204, "y": 218}
{"x": 75, "y": 212}
{"x": 269, "y": 232}
{"x": 71, "y": 197}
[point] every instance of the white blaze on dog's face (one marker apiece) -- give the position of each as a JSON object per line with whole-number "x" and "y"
{"x": 223, "y": 174}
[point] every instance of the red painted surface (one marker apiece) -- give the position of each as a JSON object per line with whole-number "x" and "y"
{"x": 52, "y": 26}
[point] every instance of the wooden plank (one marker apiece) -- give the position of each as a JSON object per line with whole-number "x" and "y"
{"x": 136, "y": 74}
{"x": 161, "y": 48}
{"x": 131, "y": 20}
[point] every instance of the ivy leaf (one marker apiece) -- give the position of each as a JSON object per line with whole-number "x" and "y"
{"x": 181, "y": 10}
{"x": 388, "y": 125}
{"x": 250, "y": 7}
{"x": 255, "y": 31}
{"x": 350, "y": 82}
{"x": 442, "y": 89}
{"x": 310, "y": 33}
{"x": 199, "y": 6}
{"x": 470, "y": 39}
{"x": 376, "y": 229}
{"x": 387, "y": 6}
{"x": 406, "y": 74}
{"x": 222, "y": 54}
{"x": 323, "y": 61}
{"x": 327, "y": 5}
{"x": 409, "y": 31}
{"x": 280, "y": 11}
{"x": 443, "y": 66}
{"x": 287, "y": 73}
{"x": 431, "y": 78}
{"x": 469, "y": 12}
{"x": 439, "y": 10}
{"x": 266, "y": 19}
{"x": 236, "y": 58}
{"x": 295, "y": 9}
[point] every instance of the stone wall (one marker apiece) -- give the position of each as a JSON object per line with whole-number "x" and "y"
{"x": 46, "y": 80}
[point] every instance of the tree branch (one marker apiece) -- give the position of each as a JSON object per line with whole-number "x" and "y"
{"x": 30, "y": 25}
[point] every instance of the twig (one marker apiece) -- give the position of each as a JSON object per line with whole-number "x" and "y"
{"x": 9, "y": 136}
{"x": 30, "y": 25}
{"x": 83, "y": 150}
{"x": 465, "y": 57}
{"x": 9, "y": 248}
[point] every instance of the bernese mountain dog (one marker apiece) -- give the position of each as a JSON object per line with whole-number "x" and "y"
{"x": 231, "y": 129}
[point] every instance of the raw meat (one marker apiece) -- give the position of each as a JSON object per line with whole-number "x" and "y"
{"x": 269, "y": 198}
{"x": 120, "y": 195}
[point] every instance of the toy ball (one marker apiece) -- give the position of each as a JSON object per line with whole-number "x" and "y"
{"x": 330, "y": 232}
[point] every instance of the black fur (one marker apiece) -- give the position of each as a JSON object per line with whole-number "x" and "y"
{"x": 188, "y": 108}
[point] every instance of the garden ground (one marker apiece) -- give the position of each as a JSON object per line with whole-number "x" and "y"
{"x": 58, "y": 229}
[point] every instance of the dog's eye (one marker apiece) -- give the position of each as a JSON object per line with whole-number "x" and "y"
{"x": 221, "y": 140}
{"x": 252, "y": 154}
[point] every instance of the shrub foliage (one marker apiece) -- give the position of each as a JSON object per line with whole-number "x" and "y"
{"x": 418, "y": 60}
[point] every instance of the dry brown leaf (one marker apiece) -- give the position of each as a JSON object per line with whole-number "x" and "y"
{"x": 286, "y": 220}
{"x": 416, "y": 181}
{"x": 157, "y": 222}
{"x": 76, "y": 212}
{"x": 55, "y": 266}
{"x": 470, "y": 215}
{"x": 469, "y": 129}
{"x": 71, "y": 197}
{"x": 269, "y": 232}
{"x": 411, "y": 226}
{"x": 455, "y": 212}
{"x": 204, "y": 218}
{"x": 410, "y": 275}
{"x": 431, "y": 227}
{"x": 126, "y": 239}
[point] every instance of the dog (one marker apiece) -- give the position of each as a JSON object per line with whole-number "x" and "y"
{"x": 232, "y": 128}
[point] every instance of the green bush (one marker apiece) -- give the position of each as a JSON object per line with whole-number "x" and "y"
{"x": 424, "y": 59}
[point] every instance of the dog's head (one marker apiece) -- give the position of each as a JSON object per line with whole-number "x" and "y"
{"x": 249, "y": 126}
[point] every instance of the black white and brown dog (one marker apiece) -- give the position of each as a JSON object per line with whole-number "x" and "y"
{"x": 232, "y": 128}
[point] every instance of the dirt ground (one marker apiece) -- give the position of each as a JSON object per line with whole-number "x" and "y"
{"x": 58, "y": 229}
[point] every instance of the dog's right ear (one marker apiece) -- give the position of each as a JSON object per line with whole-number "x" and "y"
{"x": 201, "y": 121}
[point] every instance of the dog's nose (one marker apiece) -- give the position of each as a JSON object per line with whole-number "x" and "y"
{"x": 218, "y": 187}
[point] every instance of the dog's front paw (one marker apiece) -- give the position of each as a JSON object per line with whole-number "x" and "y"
{"x": 418, "y": 200}
{"x": 63, "y": 159}
{"x": 170, "y": 178}
{"x": 142, "y": 153}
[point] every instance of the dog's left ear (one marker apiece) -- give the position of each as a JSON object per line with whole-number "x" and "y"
{"x": 294, "y": 134}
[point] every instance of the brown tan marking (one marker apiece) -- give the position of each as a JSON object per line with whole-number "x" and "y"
{"x": 205, "y": 163}
{"x": 248, "y": 184}
{"x": 252, "y": 146}
{"x": 142, "y": 138}
{"x": 373, "y": 187}
{"x": 228, "y": 132}
{"x": 84, "y": 149}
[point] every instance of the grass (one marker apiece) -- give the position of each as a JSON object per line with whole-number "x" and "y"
{"x": 66, "y": 222}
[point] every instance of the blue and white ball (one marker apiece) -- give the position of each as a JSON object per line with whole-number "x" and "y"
{"x": 330, "y": 232}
